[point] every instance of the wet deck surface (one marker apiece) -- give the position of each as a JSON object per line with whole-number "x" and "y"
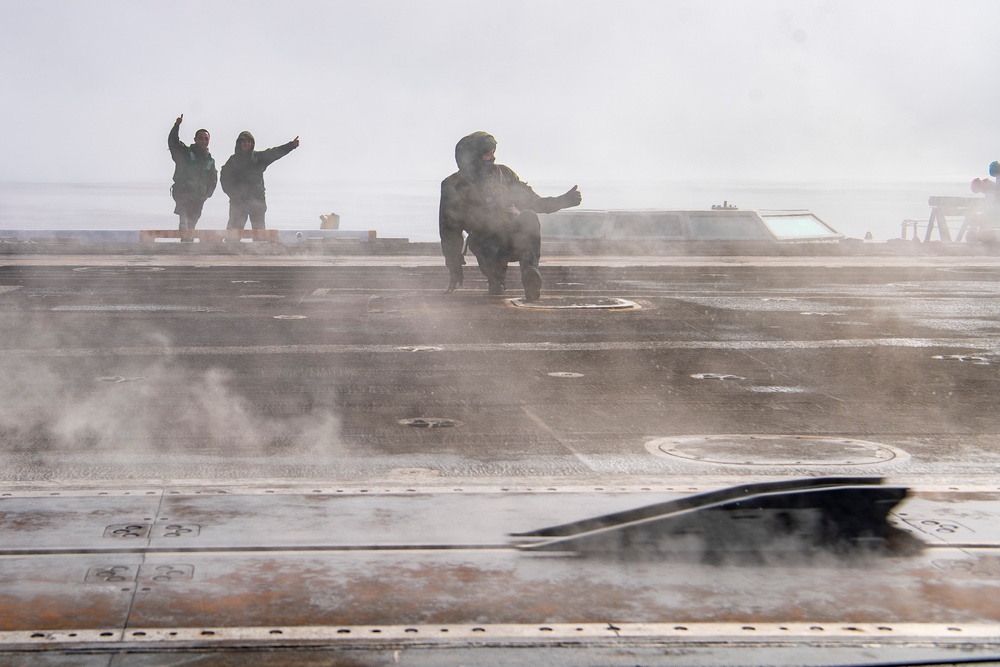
{"x": 305, "y": 454}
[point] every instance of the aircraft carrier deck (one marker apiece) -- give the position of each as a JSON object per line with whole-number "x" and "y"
{"x": 266, "y": 458}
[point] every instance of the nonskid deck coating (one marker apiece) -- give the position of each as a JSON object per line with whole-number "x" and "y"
{"x": 256, "y": 429}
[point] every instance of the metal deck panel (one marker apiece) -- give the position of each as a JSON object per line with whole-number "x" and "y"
{"x": 253, "y": 398}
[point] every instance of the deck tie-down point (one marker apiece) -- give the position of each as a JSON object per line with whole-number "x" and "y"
{"x": 837, "y": 515}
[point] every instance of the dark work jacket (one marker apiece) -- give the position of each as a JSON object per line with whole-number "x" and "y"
{"x": 243, "y": 174}
{"x": 483, "y": 206}
{"x": 195, "y": 176}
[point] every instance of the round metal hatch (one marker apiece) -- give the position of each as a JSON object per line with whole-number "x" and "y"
{"x": 430, "y": 422}
{"x": 576, "y": 303}
{"x": 975, "y": 359}
{"x": 775, "y": 450}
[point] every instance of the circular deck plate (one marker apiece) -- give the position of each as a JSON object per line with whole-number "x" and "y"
{"x": 430, "y": 422}
{"x": 576, "y": 303}
{"x": 976, "y": 359}
{"x": 775, "y": 450}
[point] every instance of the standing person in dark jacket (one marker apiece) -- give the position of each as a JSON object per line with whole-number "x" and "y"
{"x": 243, "y": 180}
{"x": 195, "y": 175}
{"x": 500, "y": 214}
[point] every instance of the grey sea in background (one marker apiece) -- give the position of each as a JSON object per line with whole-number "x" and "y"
{"x": 408, "y": 209}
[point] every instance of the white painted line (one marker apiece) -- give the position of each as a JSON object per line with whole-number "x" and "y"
{"x": 674, "y": 633}
{"x": 624, "y": 346}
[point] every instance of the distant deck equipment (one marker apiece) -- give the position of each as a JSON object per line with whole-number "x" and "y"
{"x": 943, "y": 208}
{"x": 720, "y": 224}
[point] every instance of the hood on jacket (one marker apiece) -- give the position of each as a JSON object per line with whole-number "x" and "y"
{"x": 244, "y": 133}
{"x": 470, "y": 150}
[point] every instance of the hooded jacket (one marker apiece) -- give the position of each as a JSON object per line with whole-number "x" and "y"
{"x": 482, "y": 197}
{"x": 243, "y": 174}
{"x": 195, "y": 175}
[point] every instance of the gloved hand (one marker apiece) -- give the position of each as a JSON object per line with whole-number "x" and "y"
{"x": 455, "y": 278}
{"x": 572, "y": 197}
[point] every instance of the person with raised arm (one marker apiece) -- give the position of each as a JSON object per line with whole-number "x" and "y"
{"x": 195, "y": 175}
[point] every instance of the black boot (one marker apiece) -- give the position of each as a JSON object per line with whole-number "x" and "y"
{"x": 496, "y": 287}
{"x": 531, "y": 278}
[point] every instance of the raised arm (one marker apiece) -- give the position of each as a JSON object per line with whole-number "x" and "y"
{"x": 174, "y": 142}
{"x": 528, "y": 199}
{"x": 270, "y": 155}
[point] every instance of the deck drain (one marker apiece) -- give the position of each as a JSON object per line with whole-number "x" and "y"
{"x": 972, "y": 358}
{"x": 775, "y": 450}
{"x": 109, "y": 574}
{"x": 128, "y": 530}
{"x": 166, "y": 573}
{"x": 430, "y": 422}
{"x": 987, "y": 567}
{"x": 717, "y": 376}
{"x": 572, "y": 303}
{"x": 565, "y": 374}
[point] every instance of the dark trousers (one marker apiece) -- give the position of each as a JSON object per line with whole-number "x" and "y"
{"x": 241, "y": 209}
{"x": 189, "y": 212}
{"x": 519, "y": 240}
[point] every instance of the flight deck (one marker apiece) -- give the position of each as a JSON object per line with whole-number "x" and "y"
{"x": 271, "y": 458}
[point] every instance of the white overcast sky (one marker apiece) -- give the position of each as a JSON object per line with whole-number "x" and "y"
{"x": 577, "y": 89}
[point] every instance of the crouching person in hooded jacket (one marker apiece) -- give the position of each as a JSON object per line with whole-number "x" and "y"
{"x": 499, "y": 212}
{"x": 243, "y": 180}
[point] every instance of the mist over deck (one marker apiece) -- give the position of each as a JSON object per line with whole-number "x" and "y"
{"x": 290, "y": 454}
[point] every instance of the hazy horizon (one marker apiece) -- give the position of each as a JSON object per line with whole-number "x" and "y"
{"x": 409, "y": 208}
{"x": 771, "y": 90}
